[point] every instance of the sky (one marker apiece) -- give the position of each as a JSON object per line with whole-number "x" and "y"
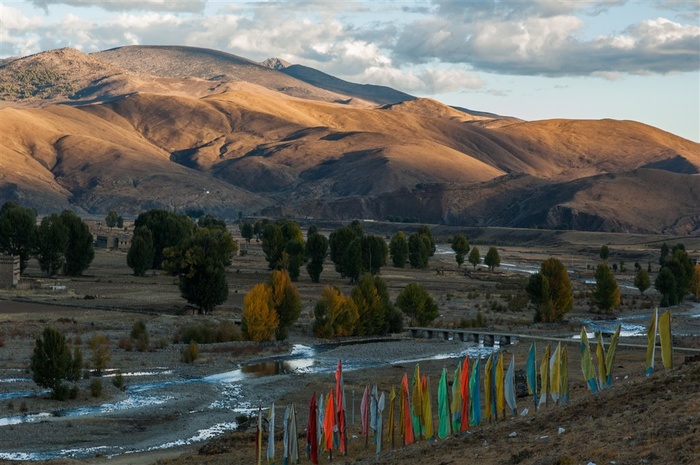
{"x": 533, "y": 59}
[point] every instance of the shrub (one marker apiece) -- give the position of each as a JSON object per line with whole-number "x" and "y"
{"x": 118, "y": 381}
{"x": 190, "y": 353}
{"x": 125, "y": 343}
{"x": 139, "y": 334}
{"x": 208, "y": 333}
{"x": 96, "y": 388}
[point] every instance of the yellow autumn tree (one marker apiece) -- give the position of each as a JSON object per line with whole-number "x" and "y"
{"x": 335, "y": 314}
{"x": 260, "y": 320}
{"x": 286, "y": 302}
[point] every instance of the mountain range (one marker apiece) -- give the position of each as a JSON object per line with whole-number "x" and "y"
{"x": 182, "y": 128}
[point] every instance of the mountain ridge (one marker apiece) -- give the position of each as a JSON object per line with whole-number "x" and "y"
{"x": 229, "y": 135}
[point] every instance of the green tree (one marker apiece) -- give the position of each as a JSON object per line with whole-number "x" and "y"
{"x": 460, "y": 245}
{"x": 352, "y": 260}
{"x": 99, "y": 349}
{"x": 17, "y": 232}
{"x": 140, "y": 255}
{"x": 606, "y": 294}
{"x": 665, "y": 251}
{"x": 285, "y": 301}
{"x": 474, "y": 257}
{"x": 665, "y": 283}
{"x": 419, "y": 250}
{"x": 168, "y": 230}
{"x": 247, "y": 230}
{"x": 111, "y": 219}
{"x": 51, "y": 244}
{"x": 642, "y": 281}
{"x": 427, "y": 232}
{"x": 294, "y": 252}
{"x": 273, "y": 243}
{"x": 374, "y": 253}
{"x": 335, "y": 315}
{"x": 696, "y": 282}
{"x": 79, "y": 252}
{"x": 316, "y": 250}
{"x": 604, "y": 253}
{"x": 417, "y": 304}
{"x": 679, "y": 264}
{"x": 52, "y": 363}
{"x": 260, "y": 320}
{"x": 211, "y": 222}
{"x": 201, "y": 264}
{"x": 338, "y": 242}
{"x": 370, "y": 306}
{"x": 492, "y": 259}
{"x": 398, "y": 248}
{"x": 550, "y": 291}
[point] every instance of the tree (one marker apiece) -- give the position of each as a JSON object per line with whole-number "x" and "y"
{"x": 696, "y": 282}
{"x": 211, "y": 222}
{"x": 370, "y": 306}
{"x": 398, "y": 249}
{"x": 285, "y": 301}
{"x": 419, "y": 247}
{"x": 51, "y": 243}
{"x": 273, "y": 244}
{"x": 52, "y": 363}
{"x": 474, "y": 257}
{"x": 99, "y": 348}
{"x": 111, "y": 219}
{"x": 460, "y": 245}
{"x": 247, "y": 230}
{"x": 665, "y": 250}
{"x": 427, "y": 232}
{"x": 352, "y": 260}
{"x": 604, "y": 253}
{"x": 167, "y": 229}
{"x": 79, "y": 252}
{"x": 335, "y": 315}
{"x": 17, "y": 231}
{"x": 550, "y": 291}
{"x": 665, "y": 283}
{"x": 606, "y": 294}
{"x": 415, "y": 302}
{"x": 260, "y": 320}
{"x": 294, "y": 253}
{"x": 140, "y": 255}
{"x": 374, "y": 253}
{"x": 641, "y": 280}
{"x": 339, "y": 241}
{"x": 492, "y": 259}
{"x": 201, "y": 264}
{"x": 316, "y": 250}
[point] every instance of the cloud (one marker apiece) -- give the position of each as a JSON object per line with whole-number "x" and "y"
{"x": 195, "y": 6}
{"x": 429, "y": 81}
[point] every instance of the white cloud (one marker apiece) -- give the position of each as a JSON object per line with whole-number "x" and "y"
{"x": 195, "y": 6}
{"x": 429, "y": 81}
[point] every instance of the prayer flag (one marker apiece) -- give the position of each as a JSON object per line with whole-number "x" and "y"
{"x": 271, "y": 435}
{"x": 312, "y": 432}
{"x": 665, "y": 338}
{"x": 500, "y": 388}
{"x": 259, "y": 437}
{"x": 555, "y": 373}
{"x": 610, "y": 356}
{"x": 531, "y": 374}
{"x": 544, "y": 375}
{"x": 474, "y": 395}
{"x": 587, "y": 362}
{"x": 364, "y": 411}
{"x": 406, "y": 422}
{"x": 417, "y": 403}
{"x": 651, "y": 341}
{"x": 329, "y": 422}
{"x": 464, "y": 383}
{"x": 509, "y": 386}
{"x": 564, "y": 374}
{"x": 390, "y": 431}
{"x": 340, "y": 407}
{"x": 427, "y": 409}
{"x": 444, "y": 428}
{"x": 600, "y": 353}
{"x": 380, "y": 410}
{"x": 293, "y": 443}
{"x": 488, "y": 389}
{"x": 456, "y": 406}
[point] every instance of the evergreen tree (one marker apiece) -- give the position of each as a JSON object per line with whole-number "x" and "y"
{"x": 51, "y": 244}
{"x": 339, "y": 241}
{"x": 607, "y": 292}
{"x": 417, "y": 304}
{"x": 111, "y": 219}
{"x": 460, "y": 245}
{"x": 374, "y": 253}
{"x": 167, "y": 229}
{"x": 419, "y": 250}
{"x": 247, "y": 230}
{"x": 52, "y": 363}
{"x": 665, "y": 283}
{"x": 474, "y": 257}
{"x": 273, "y": 243}
{"x": 316, "y": 250}
{"x": 427, "y": 232}
{"x": 370, "y": 306}
{"x": 295, "y": 251}
{"x": 398, "y": 249}
{"x": 492, "y": 258}
{"x": 604, "y": 253}
{"x": 17, "y": 232}
{"x": 79, "y": 252}
{"x": 140, "y": 255}
{"x": 211, "y": 222}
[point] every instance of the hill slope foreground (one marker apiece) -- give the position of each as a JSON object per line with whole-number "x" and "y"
{"x": 183, "y": 128}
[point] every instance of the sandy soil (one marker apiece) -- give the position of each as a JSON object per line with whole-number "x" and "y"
{"x": 639, "y": 420}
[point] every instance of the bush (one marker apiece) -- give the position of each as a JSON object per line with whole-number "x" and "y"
{"x": 139, "y": 334}
{"x": 125, "y": 343}
{"x": 61, "y": 392}
{"x": 96, "y": 388}
{"x": 118, "y": 381}
{"x": 208, "y": 333}
{"x": 190, "y": 353}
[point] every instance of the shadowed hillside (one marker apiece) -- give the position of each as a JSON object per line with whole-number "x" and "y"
{"x": 182, "y": 128}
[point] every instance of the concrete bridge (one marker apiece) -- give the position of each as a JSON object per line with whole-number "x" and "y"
{"x": 477, "y": 335}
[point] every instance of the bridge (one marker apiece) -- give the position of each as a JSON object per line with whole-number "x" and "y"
{"x": 488, "y": 338}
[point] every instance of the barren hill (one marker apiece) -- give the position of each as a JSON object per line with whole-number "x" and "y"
{"x": 183, "y": 128}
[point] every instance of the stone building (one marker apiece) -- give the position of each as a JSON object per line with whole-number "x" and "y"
{"x": 9, "y": 271}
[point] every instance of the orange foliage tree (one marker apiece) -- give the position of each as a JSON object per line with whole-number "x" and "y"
{"x": 260, "y": 320}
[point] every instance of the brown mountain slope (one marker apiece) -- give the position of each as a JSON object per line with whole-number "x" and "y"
{"x": 165, "y": 141}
